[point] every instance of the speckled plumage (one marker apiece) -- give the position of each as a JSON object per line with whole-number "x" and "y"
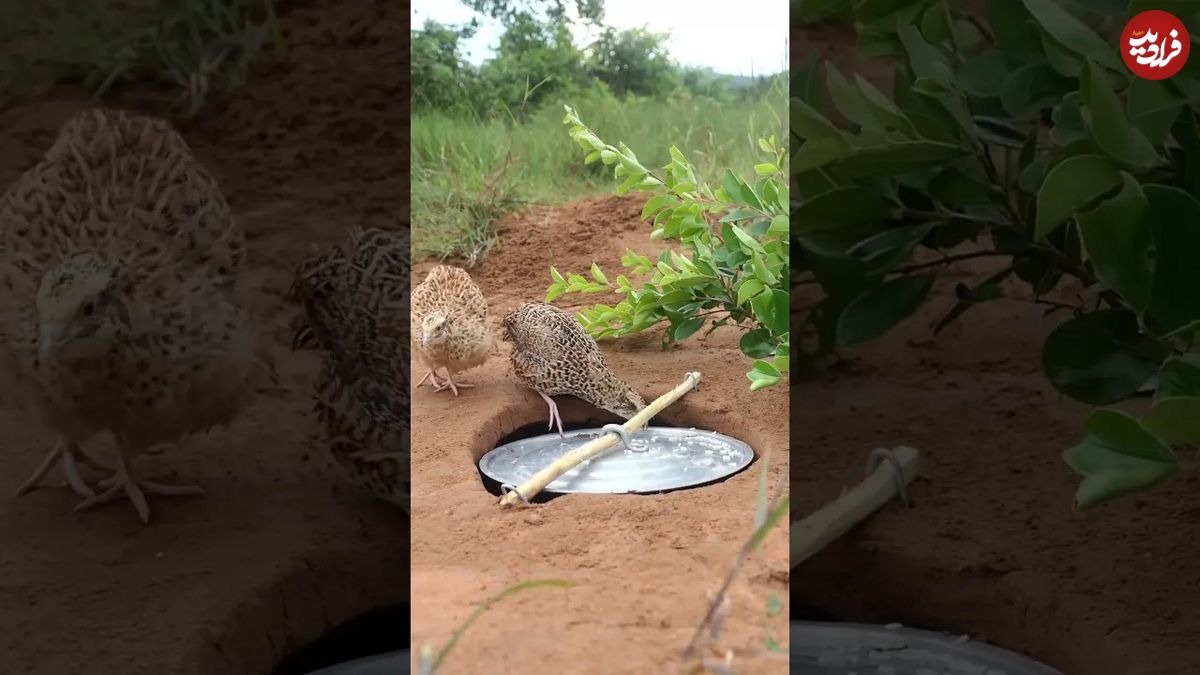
{"x": 553, "y": 355}
{"x": 355, "y": 300}
{"x": 449, "y": 315}
{"x": 119, "y": 295}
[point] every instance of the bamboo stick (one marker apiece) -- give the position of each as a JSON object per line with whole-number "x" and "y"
{"x": 595, "y": 447}
{"x": 812, "y": 534}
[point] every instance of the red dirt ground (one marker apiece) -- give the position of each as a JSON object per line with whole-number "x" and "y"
{"x": 641, "y": 565}
{"x": 992, "y": 547}
{"x": 276, "y": 553}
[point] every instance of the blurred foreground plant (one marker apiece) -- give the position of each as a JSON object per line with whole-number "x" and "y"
{"x": 1018, "y": 135}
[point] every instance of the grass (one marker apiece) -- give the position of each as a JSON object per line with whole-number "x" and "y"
{"x": 193, "y": 48}
{"x": 467, "y": 172}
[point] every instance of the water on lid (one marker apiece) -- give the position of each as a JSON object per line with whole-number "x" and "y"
{"x": 663, "y": 458}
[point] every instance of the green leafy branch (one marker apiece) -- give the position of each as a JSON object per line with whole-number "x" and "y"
{"x": 1021, "y": 137}
{"x": 732, "y": 266}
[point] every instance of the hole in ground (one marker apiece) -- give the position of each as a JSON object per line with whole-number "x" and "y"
{"x": 377, "y": 631}
{"x": 347, "y": 598}
{"x": 517, "y": 422}
{"x": 852, "y": 581}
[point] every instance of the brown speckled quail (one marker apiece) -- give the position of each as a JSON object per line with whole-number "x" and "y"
{"x": 120, "y": 304}
{"x": 355, "y": 300}
{"x": 450, "y": 313}
{"x": 553, "y": 355}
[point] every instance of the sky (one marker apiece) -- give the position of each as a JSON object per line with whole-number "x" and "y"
{"x": 738, "y": 37}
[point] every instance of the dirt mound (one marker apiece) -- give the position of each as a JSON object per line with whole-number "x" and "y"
{"x": 640, "y": 565}
{"x": 992, "y": 547}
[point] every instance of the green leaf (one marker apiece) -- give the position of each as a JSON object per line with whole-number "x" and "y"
{"x": 1032, "y": 87}
{"x": 1119, "y": 243}
{"x": 1174, "y": 218}
{"x": 1014, "y": 29}
{"x": 894, "y": 159}
{"x": 760, "y": 269}
{"x": 849, "y": 100}
{"x": 771, "y": 310}
{"x": 763, "y": 375}
{"x": 656, "y": 204}
{"x": 1117, "y": 457}
{"x": 955, "y": 187}
{"x": 926, "y": 61}
{"x": 1070, "y": 186}
{"x": 890, "y": 247}
{"x": 780, "y": 226}
{"x": 879, "y": 309}
{"x": 809, "y": 124}
{"x": 819, "y": 152}
{"x": 883, "y": 108}
{"x": 748, "y": 288}
{"x": 841, "y": 207}
{"x": 1153, "y": 107}
{"x": 556, "y": 275}
{"x": 685, "y": 329}
{"x": 556, "y": 289}
{"x": 757, "y": 343}
{"x": 748, "y": 243}
{"x": 1100, "y": 358}
{"x": 1073, "y": 33}
{"x": 598, "y": 275}
{"x": 1175, "y": 420}
{"x": 737, "y": 190}
{"x": 983, "y": 75}
{"x": 1110, "y": 128}
{"x": 968, "y": 297}
{"x": 1179, "y": 376}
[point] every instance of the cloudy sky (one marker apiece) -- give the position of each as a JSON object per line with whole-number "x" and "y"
{"x": 738, "y": 37}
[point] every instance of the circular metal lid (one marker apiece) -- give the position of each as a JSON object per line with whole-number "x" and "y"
{"x": 392, "y": 663}
{"x": 664, "y": 458}
{"x": 821, "y": 648}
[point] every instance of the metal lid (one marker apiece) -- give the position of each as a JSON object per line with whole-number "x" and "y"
{"x": 820, "y": 648}
{"x": 392, "y": 663}
{"x": 663, "y": 458}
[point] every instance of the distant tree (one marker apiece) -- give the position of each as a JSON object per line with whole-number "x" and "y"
{"x": 511, "y": 11}
{"x": 633, "y": 61}
{"x": 534, "y": 60}
{"x": 441, "y": 77}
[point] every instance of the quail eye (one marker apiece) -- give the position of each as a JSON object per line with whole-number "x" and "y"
{"x": 89, "y": 308}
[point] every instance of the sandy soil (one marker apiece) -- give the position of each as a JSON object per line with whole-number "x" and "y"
{"x": 641, "y": 565}
{"x": 276, "y": 553}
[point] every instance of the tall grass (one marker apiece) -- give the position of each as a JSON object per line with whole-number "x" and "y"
{"x": 193, "y": 48}
{"x": 467, "y": 171}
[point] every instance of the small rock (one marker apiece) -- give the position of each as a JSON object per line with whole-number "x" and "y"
{"x": 534, "y": 518}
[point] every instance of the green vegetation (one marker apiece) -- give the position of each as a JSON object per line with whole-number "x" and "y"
{"x": 195, "y": 49}
{"x": 734, "y": 263}
{"x": 487, "y": 139}
{"x": 1018, "y": 135}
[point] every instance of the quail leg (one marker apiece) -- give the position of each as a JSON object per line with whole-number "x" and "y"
{"x": 123, "y": 483}
{"x": 433, "y": 381}
{"x": 451, "y": 384}
{"x": 71, "y": 455}
{"x": 554, "y": 416}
